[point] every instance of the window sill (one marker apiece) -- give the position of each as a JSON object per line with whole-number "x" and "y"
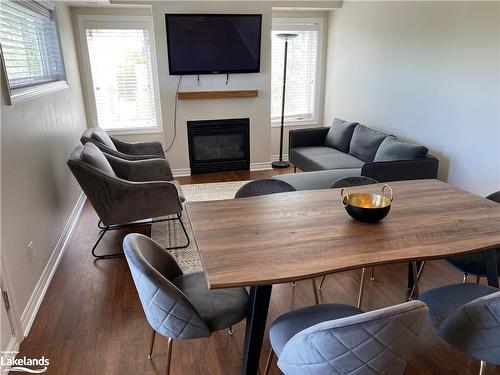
{"x": 296, "y": 123}
{"x": 134, "y": 131}
{"x": 26, "y": 93}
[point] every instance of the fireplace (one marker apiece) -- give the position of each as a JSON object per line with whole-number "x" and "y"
{"x": 219, "y": 145}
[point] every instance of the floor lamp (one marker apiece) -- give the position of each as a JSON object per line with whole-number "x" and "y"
{"x": 280, "y": 163}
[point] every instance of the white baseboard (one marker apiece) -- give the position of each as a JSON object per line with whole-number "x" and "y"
{"x": 260, "y": 166}
{"x": 8, "y": 354}
{"x": 181, "y": 172}
{"x": 29, "y": 314}
{"x": 277, "y": 157}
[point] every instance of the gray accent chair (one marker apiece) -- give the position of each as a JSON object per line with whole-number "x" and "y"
{"x": 370, "y": 153}
{"x": 124, "y": 192}
{"x": 341, "y": 339}
{"x": 178, "y": 305}
{"x": 473, "y": 264}
{"x": 125, "y": 150}
{"x": 467, "y": 316}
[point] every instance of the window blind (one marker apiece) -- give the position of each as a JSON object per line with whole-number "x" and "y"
{"x": 120, "y": 63}
{"x": 30, "y": 43}
{"x": 301, "y": 75}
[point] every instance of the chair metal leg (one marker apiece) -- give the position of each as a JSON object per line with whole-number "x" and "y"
{"x": 170, "y": 344}
{"x": 294, "y": 169}
{"x": 150, "y": 355}
{"x": 419, "y": 274}
{"x": 361, "y": 286}
{"x": 269, "y": 362}
{"x": 315, "y": 291}
{"x": 179, "y": 217}
{"x": 322, "y": 281}
{"x": 465, "y": 278}
{"x": 478, "y": 279}
{"x": 230, "y": 330}
{"x": 482, "y": 368}
{"x": 104, "y": 256}
{"x": 414, "y": 292}
{"x": 372, "y": 276}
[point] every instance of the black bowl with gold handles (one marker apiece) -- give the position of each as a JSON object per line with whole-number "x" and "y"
{"x": 366, "y": 207}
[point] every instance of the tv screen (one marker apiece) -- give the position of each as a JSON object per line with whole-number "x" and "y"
{"x": 213, "y": 43}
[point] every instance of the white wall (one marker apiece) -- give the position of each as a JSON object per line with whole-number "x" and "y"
{"x": 425, "y": 71}
{"x": 38, "y": 192}
{"x": 264, "y": 139}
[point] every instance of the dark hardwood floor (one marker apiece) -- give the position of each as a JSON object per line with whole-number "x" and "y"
{"x": 91, "y": 320}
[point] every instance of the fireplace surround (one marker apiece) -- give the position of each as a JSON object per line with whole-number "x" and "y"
{"x": 219, "y": 145}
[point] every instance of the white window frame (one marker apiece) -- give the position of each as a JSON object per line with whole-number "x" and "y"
{"x": 21, "y": 94}
{"x": 120, "y": 22}
{"x": 304, "y": 24}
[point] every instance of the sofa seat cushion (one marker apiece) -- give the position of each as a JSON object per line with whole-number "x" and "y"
{"x": 321, "y": 158}
{"x": 392, "y": 148}
{"x": 340, "y": 134}
{"x": 93, "y": 156}
{"x": 365, "y": 142}
{"x": 317, "y": 179}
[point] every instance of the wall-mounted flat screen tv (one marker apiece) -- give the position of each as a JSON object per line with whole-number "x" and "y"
{"x": 213, "y": 43}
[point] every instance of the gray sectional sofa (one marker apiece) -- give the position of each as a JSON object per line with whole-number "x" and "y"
{"x": 351, "y": 149}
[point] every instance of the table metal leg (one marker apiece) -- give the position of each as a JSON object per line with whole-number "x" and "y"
{"x": 490, "y": 259}
{"x": 258, "y": 305}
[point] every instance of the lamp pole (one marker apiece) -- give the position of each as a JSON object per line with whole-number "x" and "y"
{"x": 280, "y": 163}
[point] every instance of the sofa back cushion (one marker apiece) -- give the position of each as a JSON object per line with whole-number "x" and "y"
{"x": 93, "y": 156}
{"x": 100, "y": 135}
{"x": 340, "y": 134}
{"x": 365, "y": 142}
{"x": 393, "y": 148}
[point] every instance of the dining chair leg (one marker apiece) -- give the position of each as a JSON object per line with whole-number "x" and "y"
{"x": 230, "y": 330}
{"x": 170, "y": 344}
{"x": 150, "y": 355}
{"x": 465, "y": 278}
{"x": 294, "y": 169}
{"x": 322, "y": 281}
{"x": 361, "y": 286}
{"x": 269, "y": 362}
{"x": 478, "y": 279}
{"x": 414, "y": 292}
{"x": 372, "y": 276}
{"x": 315, "y": 291}
{"x": 482, "y": 368}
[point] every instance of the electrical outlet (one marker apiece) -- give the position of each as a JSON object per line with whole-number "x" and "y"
{"x": 31, "y": 251}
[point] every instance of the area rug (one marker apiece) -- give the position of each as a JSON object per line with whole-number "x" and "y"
{"x": 169, "y": 233}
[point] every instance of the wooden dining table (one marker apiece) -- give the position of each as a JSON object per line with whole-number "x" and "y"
{"x": 260, "y": 241}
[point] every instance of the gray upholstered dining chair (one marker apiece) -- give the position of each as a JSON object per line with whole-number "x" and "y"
{"x": 467, "y": 316}
{"x": 473, "y": 264}
{"x": 178, "y": 305}
{"x": 125, "y": 150}
{"x": 124, "y": 192}
{"x": 263, "y": 187}
{"x": 266, "y": 187}
{"x": 342, "y": 339}
{"x": 350, "y": 182}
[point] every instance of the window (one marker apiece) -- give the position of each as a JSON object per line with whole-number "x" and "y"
{"x": 31, "y": 52}
{"x": 121, "y": 66}
{"x": 303, "y": 70}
